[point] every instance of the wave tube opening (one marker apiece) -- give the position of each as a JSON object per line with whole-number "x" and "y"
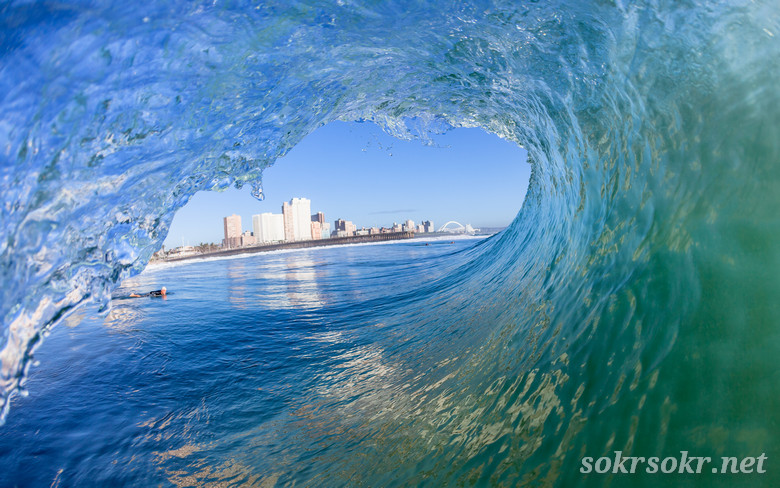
{"x": 355, "y": 172}
{"x": 632, "y": 299}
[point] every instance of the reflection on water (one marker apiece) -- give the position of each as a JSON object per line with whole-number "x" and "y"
{"x": 75, "y": 318}
{"x": 262, "y": 371}
{"x": 237, "y": 278}
{"x": 301, "y": 279}
{"x": 123, "y": 318}
{"x": 230, "y": 473}
{"x": 287, "y": 281}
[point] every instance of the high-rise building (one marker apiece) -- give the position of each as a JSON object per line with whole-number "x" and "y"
{"x": 316, "y": 230}
{"x": 289, "y": 225}
{"x": 232, "y": 231}
{"x": 297, "y": 219}
{"x": 268, "y": 227}
{"x": 428, "y": 225}
{"x": 257, "y": 228}
{"x": 408, "y": 226}
{"x": 347, "y": 226}
{"x": 343, "y": 228}
{"x": 319, "y": 228}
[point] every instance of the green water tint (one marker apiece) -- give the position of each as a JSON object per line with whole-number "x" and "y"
{"x": 643, "y": 315}
{"x": 631, "y": 306}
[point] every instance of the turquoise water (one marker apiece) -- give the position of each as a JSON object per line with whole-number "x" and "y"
{"x": 632, "y": 304}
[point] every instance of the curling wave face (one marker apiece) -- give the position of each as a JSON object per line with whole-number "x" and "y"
{"x": 632, "y": 301}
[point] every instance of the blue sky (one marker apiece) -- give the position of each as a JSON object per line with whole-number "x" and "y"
{"x": 357, "y": 172}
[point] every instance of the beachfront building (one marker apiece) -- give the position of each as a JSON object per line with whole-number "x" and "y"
{"x": 408, "y": 226}
{"x": 428, "y": 226}
{"x": 297, "y": 219}
{"x": 344, "y": 228}
{"x": 316, "y": 230}
{"x": 338, "y": 225}
{"x": 232, "y": 226}
{"x": 247, "y": 239}
{"x": 319, "y": 228}
{"x": 181, "y": 252}
{"x": 268, "y": 228}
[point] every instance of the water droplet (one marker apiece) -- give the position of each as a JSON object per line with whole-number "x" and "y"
{"x": 257, "y": 190}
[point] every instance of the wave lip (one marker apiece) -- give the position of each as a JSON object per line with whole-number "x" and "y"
{"x": 632, "y": 285}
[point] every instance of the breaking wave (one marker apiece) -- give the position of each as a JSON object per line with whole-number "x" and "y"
{"x": 632, "y": 303}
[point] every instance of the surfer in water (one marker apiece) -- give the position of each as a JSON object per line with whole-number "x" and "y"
{"x": 155, "y": 293}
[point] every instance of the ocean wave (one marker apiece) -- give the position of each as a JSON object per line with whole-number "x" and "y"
{"x": 634, "y": 296}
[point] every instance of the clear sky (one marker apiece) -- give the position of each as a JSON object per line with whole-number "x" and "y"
{"x": 356, "y": 172}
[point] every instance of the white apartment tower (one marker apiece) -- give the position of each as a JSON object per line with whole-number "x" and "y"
{"x": 268, "y": 227}
{"x": 297, "y": 219}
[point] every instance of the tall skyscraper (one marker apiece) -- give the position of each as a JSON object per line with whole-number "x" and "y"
{"x": 297, "y": 219}
{"x": 257, "y": 228}
{"x": 316, "y": 230}
{"x": 232, "y": 231}
{"x": 268, "y": 227}
{"x": 289, "y": 224}
{"x": 319, "y": 228}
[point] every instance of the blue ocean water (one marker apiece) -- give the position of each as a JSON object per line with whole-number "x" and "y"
{"x": 249, "y": 371}
{"x": 631, "y": 305}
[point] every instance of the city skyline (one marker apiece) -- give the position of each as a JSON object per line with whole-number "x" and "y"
{"x": 296, "y": 223}
{"x": 355, "y": 171}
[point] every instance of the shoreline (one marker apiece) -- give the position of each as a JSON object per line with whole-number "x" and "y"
{"x": 211, "y": 257}
{"x": 333, "y": 241}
